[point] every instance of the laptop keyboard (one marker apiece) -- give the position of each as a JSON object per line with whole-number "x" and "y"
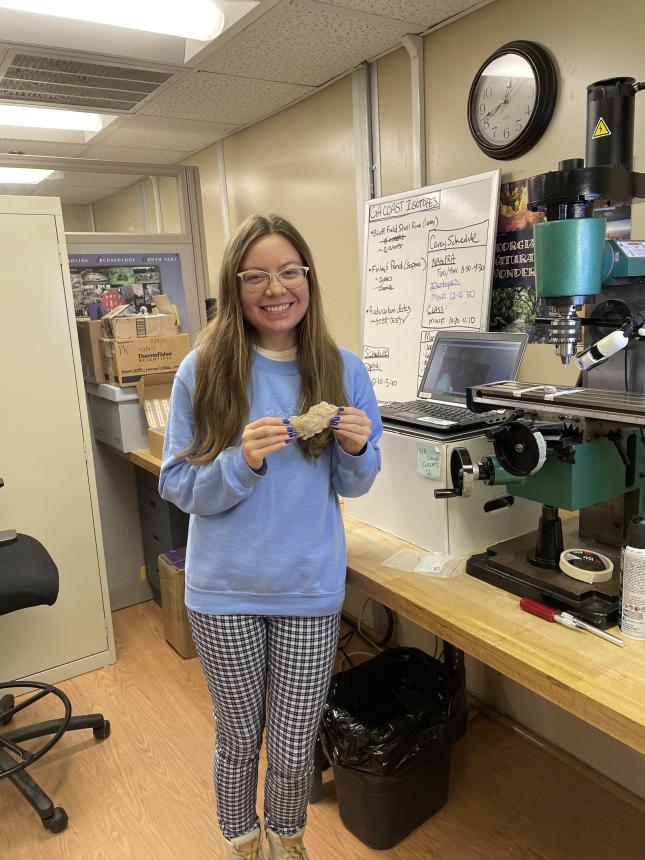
{"x": 436, "y": 410}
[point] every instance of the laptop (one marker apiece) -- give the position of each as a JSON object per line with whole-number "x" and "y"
{"x": 459, "y": 360}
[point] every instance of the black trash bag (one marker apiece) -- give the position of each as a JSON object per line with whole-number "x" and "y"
{"x": 381, "y": 715}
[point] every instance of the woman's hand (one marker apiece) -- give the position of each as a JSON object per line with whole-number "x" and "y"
{"x": 352, "y": 428}
{"x": 263, "y": 437}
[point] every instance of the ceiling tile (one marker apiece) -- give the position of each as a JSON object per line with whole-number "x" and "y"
{"x": 426, "y": 12}
{"x": 43, "y": 147}
{"x": 307, "y": 43}
{"x": 134, "y": 155}
{"x": 166, "y": 133}
{"x": 223, "y": 98}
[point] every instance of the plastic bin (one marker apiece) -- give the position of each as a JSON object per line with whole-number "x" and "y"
{"x": 388, "y": 726}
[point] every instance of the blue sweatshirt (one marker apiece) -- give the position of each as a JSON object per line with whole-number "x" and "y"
{"x": 270, "y": 542}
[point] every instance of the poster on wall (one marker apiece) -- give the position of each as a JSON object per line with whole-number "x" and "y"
{"x": 514, "y": 304}
{"x": 101, "y": 282}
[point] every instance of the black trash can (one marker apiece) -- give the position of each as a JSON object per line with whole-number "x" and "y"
{"x": 387, "y": 728}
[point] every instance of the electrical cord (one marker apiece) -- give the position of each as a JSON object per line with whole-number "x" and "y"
{"x": 627, "y": 366}
{"x": 357, "y": 628}
{"x": 347, "y": 657}
{"x": 382, "y": 643}
{"x": 347, "y": 637}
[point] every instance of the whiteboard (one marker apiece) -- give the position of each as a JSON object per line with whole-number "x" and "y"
{"x": 427, "y": 265}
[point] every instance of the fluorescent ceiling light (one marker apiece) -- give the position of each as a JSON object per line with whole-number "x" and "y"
{"x": 191, "y": 19}
{"x": 22, "y": 175}
{"x": 28, "y": 117}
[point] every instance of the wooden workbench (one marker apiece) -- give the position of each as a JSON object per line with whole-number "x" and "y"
{"x": 143, "y": 459}
{"x": 587, "y": 676}
{"x": 593, "y": 679}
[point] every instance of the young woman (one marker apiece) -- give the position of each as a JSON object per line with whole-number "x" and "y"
{"x": 265, "y": 567}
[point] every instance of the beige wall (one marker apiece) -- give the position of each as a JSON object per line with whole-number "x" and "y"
{"x": 395, "y": 122}
{"x": 169, "y": 204}
{"x": 206, "y": 161}
{"x": 122, "y": 212}
{"x": 133, "y": 209}
{"x": 76, "y": 217}
{"x": 300, "y": 163}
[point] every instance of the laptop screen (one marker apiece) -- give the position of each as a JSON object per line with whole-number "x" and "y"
{"x": 462, "y": 359}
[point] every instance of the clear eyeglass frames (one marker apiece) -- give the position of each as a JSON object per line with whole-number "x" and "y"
{"x": 257, "y": 281}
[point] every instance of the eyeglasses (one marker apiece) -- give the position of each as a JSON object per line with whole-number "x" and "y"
{"x": 257, "y": 281}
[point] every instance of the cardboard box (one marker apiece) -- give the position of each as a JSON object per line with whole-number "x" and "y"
{"x": 176, "y": 626}
{"x": 125, "y": 362}
{"x": 132, "y": 326}
{"x": 155, "y": 442}
{"x": 154, "y": 395}
{"x": 90, "y": 333}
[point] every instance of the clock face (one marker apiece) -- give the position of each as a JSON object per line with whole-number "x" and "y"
{"x": 503, "y": 100}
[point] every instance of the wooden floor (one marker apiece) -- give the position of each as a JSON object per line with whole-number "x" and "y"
{"x": 145, "y": 793}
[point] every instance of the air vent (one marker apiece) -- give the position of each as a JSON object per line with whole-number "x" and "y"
{"x": 32, "y": 79}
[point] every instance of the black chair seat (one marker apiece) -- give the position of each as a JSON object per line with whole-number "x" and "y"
{"x": 28, "y": 575}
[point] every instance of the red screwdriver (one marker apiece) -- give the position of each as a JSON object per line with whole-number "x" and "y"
{"x": 564, "y": 618}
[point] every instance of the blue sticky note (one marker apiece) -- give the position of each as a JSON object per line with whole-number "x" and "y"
{"x": 429, "y": 461}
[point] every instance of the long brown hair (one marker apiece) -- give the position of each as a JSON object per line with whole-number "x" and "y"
{"x": 225, "y": 352}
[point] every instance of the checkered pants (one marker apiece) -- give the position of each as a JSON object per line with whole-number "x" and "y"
{"x": 278, "y": 666}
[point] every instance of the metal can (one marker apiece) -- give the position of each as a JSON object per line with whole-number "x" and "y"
{"x": 632, "y": 581}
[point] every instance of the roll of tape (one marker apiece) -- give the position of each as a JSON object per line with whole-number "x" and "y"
{"x": 586, "y": 565}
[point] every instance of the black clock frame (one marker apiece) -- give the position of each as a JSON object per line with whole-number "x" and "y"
{"x": 546, "y": 93}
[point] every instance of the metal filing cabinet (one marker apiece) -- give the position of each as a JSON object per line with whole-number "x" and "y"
{"x": 46, "y": 455}
{"x": 163, "y": 527}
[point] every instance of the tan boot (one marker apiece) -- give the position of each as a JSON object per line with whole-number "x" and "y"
{"x": 287, "y": 847}
{"x": 248, "y": 846}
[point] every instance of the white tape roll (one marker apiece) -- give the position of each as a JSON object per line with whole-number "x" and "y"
{"x": 595, "y": 567}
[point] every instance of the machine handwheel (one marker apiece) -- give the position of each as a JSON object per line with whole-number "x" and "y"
{"x": 520, "y": 450}
{"x": 103, "y": 731}
{"x": 57, "y": 822}
{"x": 462, "y": 472}
{"x": 6, "y": 704}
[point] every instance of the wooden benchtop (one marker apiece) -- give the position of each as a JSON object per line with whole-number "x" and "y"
{"x": 587, "y": 676}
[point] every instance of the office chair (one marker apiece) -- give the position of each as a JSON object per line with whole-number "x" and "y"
{"x": 29, "y": 577}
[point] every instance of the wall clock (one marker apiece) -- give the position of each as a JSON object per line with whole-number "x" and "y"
{"x": 511, "y": 99}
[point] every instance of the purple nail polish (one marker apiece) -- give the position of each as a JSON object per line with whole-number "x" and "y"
{"x": 285, "y": 420}
{"x": 341, "y": 408}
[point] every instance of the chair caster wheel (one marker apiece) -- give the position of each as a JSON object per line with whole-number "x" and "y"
{"x": 103, "y": 731}
{"x": 6, "y": 702}
{"x": 57, "y": 822}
